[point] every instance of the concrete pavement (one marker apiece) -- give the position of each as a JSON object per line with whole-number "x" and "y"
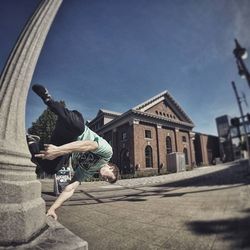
{"x": 206, "y": 208}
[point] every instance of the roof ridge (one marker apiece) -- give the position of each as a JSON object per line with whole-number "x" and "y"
{"x": 143, "y": 104}
{"x": 158, "y": 96}
{"x": 179, "y": 107}
{"x": 110, "y": 111}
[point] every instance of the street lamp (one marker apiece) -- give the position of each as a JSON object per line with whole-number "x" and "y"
{"x": 240, "y": 55}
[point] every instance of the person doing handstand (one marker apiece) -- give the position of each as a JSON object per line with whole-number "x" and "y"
{"x": 71, "y": 137}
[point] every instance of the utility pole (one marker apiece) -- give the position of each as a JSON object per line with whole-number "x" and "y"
{"x": 243, "y": 122}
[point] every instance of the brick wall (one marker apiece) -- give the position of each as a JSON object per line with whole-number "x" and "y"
{"x": 140, "y": 143}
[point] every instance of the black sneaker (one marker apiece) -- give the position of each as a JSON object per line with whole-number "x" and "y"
{"x": 32, "y": 139}
{"x": 42, "y": 92}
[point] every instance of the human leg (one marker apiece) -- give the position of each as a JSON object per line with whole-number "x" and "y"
{"x": 70, "y": 124}
{"x": 33, "y": 144}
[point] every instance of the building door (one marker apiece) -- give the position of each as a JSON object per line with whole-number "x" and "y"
{"x": 186, "y": 155}
{"x": 149, "y": 157}
{"x": 125, "y": 162}
{"x": 210, "y": 156}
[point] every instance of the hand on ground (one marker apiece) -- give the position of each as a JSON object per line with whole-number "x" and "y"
{"x": 52, "y": 213}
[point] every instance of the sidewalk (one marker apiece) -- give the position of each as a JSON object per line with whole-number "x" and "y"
{"x": 207, "y": 208}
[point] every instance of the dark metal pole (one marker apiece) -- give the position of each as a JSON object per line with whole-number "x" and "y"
{"x": 243, "y": 121}
{"x": 244, "y": 69}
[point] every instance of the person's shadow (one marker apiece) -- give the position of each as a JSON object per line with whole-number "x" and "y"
{"x": 236, "y": 230}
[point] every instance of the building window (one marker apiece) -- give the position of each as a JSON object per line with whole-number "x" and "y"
{"x": 186, "y": 155}
{"x": 169, "y": 145}
{"x": 148, "y": 134}
{"x": 124, "y": 136}
{"x": 149, "y": 157}
{"x": 156, "y": 112}
{"x": 184, "y": 139}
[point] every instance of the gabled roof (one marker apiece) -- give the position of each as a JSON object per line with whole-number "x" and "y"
{"x": 142, "y": 111}
{"x": 165, "y": 95}
{"x": 157, "y": 98}
{"x": 108, "y": 112}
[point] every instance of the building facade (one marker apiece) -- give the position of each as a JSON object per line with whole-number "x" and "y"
{"x": 206, "y": 149}
{"x": 143, "y": 137}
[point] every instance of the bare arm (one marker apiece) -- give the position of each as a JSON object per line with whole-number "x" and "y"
{"x": 65, "y": 195}
{"x": 51, "y": 151}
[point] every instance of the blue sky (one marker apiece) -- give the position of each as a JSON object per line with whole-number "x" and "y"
{"x": 115, "y": 54}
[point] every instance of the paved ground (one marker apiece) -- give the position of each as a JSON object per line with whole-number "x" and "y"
{"x": 207, "y": 208}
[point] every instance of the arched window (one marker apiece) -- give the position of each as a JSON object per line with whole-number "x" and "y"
{"x": 169, "y": 145}
{"x": 149, "y": 157}
{"x": 186, "y": 155}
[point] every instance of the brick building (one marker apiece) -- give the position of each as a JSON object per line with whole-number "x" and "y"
{"x": 206, "y": 149}
{"x": 143, "y": 137}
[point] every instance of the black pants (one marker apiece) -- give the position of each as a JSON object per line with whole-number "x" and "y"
{"x": 69, "y": 125}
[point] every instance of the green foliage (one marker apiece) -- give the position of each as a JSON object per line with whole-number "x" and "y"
{"x": 44, "y": 125}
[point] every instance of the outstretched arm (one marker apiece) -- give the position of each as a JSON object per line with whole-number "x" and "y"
{"x": 51, "y": 151}
{"x": 65, "y": 195}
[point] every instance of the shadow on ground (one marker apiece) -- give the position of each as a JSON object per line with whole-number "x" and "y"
{"x": 234, "y": 230}
{"x": 231, "y": 177}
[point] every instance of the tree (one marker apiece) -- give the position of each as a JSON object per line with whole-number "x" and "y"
{"x": 44, "y": 125}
